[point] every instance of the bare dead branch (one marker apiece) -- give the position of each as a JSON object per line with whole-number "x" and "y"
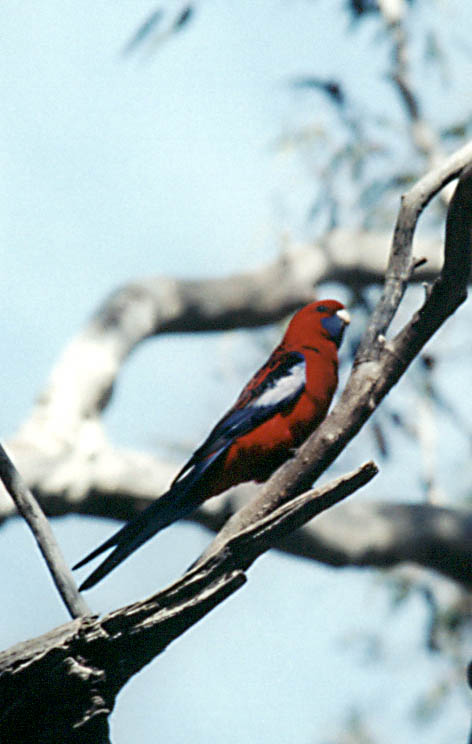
{"x": 30, "y": 510}
{"x": 66, "y": 416}
{"x": 400, "y": 261}
{"x": 118, "y": 484}
{"x": 87, "y": 656}
{"x": 378, "y": 365}
{"x": 79, "y": 660}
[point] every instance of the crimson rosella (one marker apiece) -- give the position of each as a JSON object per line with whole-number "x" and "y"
{"x": 277, "y": 410}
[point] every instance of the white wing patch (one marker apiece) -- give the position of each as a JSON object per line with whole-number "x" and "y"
{"x": 285, "y": 388}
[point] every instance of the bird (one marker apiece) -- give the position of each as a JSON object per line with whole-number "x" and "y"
{"x": 282, "y": 404}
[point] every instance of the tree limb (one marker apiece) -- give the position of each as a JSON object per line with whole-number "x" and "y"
{"x": 76, "y": 666}
{"x": 66, "y": 415}
{"x": 378, "y": 365}
{"x": 82, "y": 658}
{"x": 118, "y": 484}
{"x": 32, "y": 513}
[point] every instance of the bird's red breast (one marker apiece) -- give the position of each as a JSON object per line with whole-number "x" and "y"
{"x": 277, "y": 410}
{"x": 255, "y": 455}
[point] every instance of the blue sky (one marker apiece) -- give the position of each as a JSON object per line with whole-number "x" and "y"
{"x": 114, "y": 168}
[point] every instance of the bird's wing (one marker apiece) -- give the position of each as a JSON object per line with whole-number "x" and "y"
{"x": 274, "y": 389}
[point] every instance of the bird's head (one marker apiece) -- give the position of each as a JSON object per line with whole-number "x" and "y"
{"x": 327, "y": 318}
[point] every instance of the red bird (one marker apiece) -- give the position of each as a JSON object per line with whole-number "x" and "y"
{"x": 277, "y": 410}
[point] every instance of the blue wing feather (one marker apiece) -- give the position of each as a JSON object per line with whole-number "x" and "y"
{"x": 276, "y": 392}
{"x": 279, "y": 387}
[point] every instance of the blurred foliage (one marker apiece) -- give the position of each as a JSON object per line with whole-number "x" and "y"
{"x": 354, "y": 731}
{"x": 358, "y": 159}
{"x": 158, "y": 26}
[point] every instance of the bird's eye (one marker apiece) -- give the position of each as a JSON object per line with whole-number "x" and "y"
{"x": 322, "y": 309}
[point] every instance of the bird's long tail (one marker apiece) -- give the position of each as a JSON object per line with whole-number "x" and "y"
{"x": 172, "y": 505}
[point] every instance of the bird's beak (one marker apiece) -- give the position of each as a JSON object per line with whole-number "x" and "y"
{"x": 344, "y": 316}
{"x": 334, "y": 325}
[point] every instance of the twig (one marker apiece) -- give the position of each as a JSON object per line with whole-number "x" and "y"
{"x": 40, "y": 527}
{"x": 297, "y": 512}
{"x": 399, "y": 266}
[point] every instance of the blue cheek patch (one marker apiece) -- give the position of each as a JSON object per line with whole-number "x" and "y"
{"x": 334, "y": 327}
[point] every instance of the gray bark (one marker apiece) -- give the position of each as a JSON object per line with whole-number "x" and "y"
{"x": 62, "y": 686}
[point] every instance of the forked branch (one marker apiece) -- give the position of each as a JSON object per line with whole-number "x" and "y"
{"x": 80, "y": 660}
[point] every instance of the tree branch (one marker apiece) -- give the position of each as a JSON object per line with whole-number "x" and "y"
{"x": 83, "y": 657}
{"x": 118, "y": 484}
{"x": 65, "y": 417}
{"x": 32, "y": 513}
{"x": 378, "y": 366}
{"x": 79, "y": 660}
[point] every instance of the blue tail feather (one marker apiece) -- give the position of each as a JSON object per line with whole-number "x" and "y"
{"x": 171, "y": 506}
{"x": 185, "y": 494}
